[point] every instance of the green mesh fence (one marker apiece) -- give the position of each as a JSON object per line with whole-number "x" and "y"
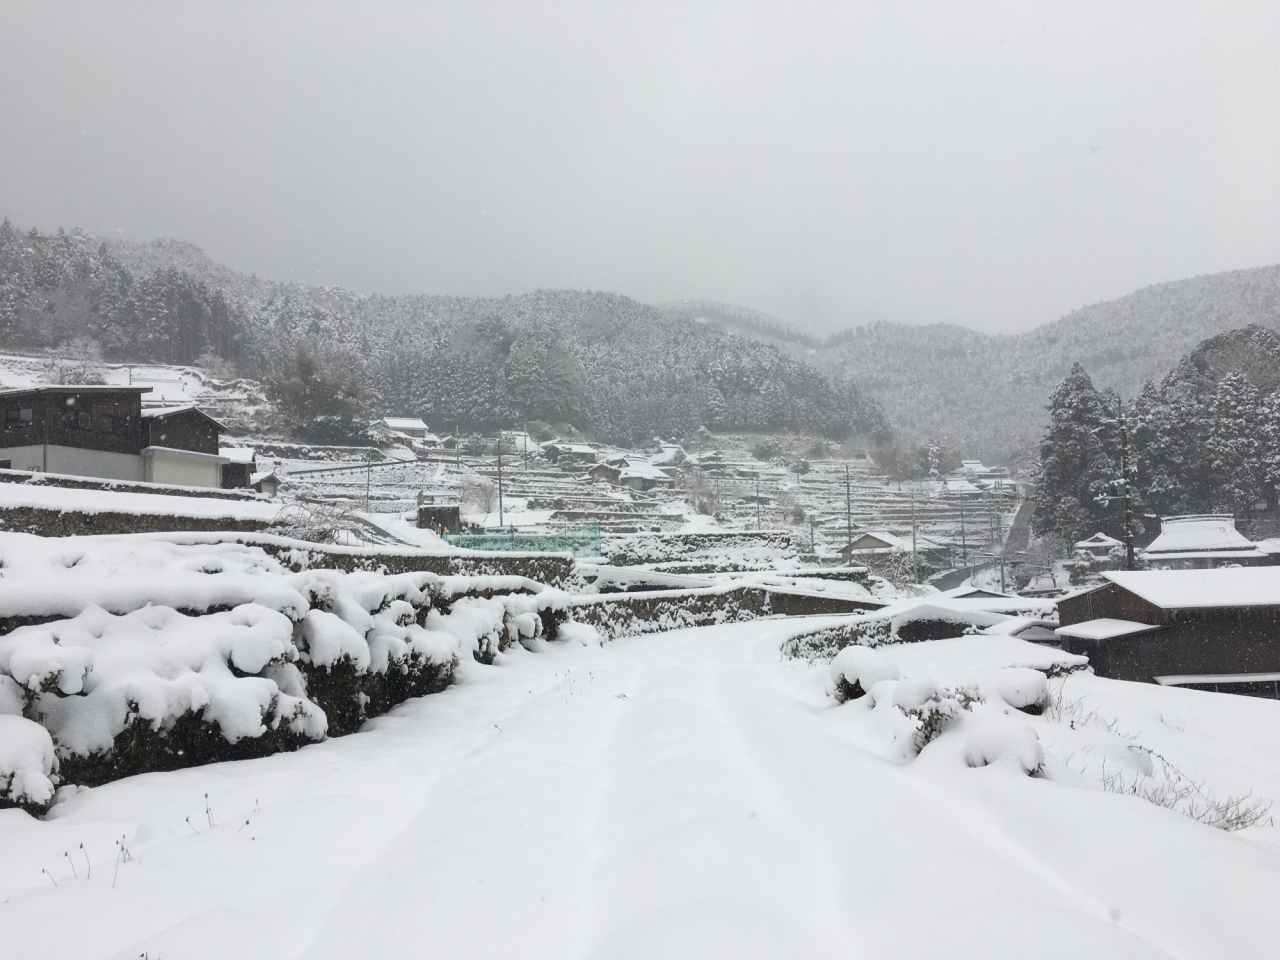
{"x": 581, "y": 541}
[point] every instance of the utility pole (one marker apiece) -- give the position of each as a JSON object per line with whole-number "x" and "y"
{"x": 915, "y": 570}
{"x": 500, "y": 478}
{"x": 368, "y": 482}
{"x": 964, "y": 547}
{"x": 757, "y": 499}
{"x": 999, "y": 541}
{"x": 457, "y": 446}
{"x": 848, "y": 512}
{"x": 1124, "y": 479}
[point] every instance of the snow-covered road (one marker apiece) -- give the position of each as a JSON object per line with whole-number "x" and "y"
{"x": 676, "y": 795}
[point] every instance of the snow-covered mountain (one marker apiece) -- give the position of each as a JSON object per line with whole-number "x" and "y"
{"x": 986, "y": 393}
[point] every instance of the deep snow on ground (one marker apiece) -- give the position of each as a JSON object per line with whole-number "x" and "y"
{"x": 687, "y": 794}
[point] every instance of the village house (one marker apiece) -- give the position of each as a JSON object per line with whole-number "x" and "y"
{"x": 84, "y": 431}
{"x": 411, "y": 428}
{"x": 1209, "y": 629}
{"x": 241, "y": 465}
{"x": 103, "y": 431}
{"x": 642, "y": 475}
{"x": 180, "y": 446}
{"x": 874, "y": 543}
{"x": 1201, "y": 541}
{"x": 606, "y": 471}
{"x": 566, "y": 454}
{"x": 1099, "y": 545}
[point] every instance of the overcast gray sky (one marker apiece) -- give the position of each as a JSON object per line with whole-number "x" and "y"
{"x": 988, "y": 164}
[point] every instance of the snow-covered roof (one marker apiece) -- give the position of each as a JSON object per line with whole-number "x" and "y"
{"x": 572, "y": 447}
{"x": 150, "y": 412}
{"x": 1208, "y": 536}
{"x": 237, "y": 454}
{"x": 889, "y": 541}
{"x": 1183, "y": 589}
{"x": 403, "y": 423}
{"x": 1177, "y": 681}
{"x": 1100, "y": 539}
{"x": 1104, "y": 628}
{"x": 969, "y": 591}
{"x": 157, "y": 413}
{"x": 642, "y": 469}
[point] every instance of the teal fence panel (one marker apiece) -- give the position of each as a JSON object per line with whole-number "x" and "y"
{"x": 580, "y": 541}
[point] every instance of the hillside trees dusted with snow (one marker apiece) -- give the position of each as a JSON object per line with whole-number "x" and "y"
{"x": 613, "y": 368}
{"x": 1206, "y": 439}
{"x": 60, "y": 289}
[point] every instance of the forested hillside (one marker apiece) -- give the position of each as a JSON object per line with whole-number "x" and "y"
{"x": 986, "y": 394}
{"x": 1206, "y": 438}
{"x": 612, "y": 367}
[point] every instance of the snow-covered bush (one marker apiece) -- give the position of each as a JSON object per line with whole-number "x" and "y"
{"x": 934, "y": 708}
{"x": 1004, "y": 738}
{"x": 134, "y": 654}
{"x": 26, "y": 763}
{"x": 856, "y": 669}
{"x": 123, "y": 694}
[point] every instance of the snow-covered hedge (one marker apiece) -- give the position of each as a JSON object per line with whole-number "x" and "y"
{"x": 134, "y": 654}
{"x": 627, "y": 614}
{"x": 757, "y": 547}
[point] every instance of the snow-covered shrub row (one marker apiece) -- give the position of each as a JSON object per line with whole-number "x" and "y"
{"x": 913, "y": 711}
{"x": 628, "y": 614}
{"x": 823, "y": 643}
{"x": 908, "y": 621}
{"x": 551, "y": 569}
{"x": 136, "y": 655}
{"x": 756, "y": 547}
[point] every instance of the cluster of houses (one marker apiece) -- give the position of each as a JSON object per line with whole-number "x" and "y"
{"x": 1203, "y": 614}
{"x": 110, "y": 432}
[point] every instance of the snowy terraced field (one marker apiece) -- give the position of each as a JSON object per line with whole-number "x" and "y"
{"x": 690, "y": 794}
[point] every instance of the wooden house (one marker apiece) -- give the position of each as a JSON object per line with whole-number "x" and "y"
{"x": 1208, "y": 628}
{"x": 180, "y": 445}
{"x": 83, "y": 431}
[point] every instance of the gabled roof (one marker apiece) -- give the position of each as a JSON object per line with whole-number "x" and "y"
{"x": 644, "y": 470}
{"x": 870, "y": 540}
{"x": 1100, "y": 539}
{"x": 1189, "y": 589}
{"x": 160, "y": 413}
{"x": 404, "y": 423}
{"x": 969, "y": 592}
{"x": 238, "y": 454}
{"x": 75, "y": 388}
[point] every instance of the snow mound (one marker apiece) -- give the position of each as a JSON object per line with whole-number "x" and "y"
{"x": 856, "y": 669}
{"x": 26, "y": 763}
{"x": 1008, "y": 739}
{"x": 1021, "y": 688}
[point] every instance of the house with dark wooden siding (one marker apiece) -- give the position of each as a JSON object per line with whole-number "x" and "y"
{"x": 1215, "y": 629}
{"x": 104, "y": 431}
{"x": 181, "y": 446}
{"x": 81, "y": 430}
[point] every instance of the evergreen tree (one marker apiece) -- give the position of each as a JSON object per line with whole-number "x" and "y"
{"x": 1076, "y": 468}
{"x": 318, "y": 407}
{"x": 1236, "y": 469}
